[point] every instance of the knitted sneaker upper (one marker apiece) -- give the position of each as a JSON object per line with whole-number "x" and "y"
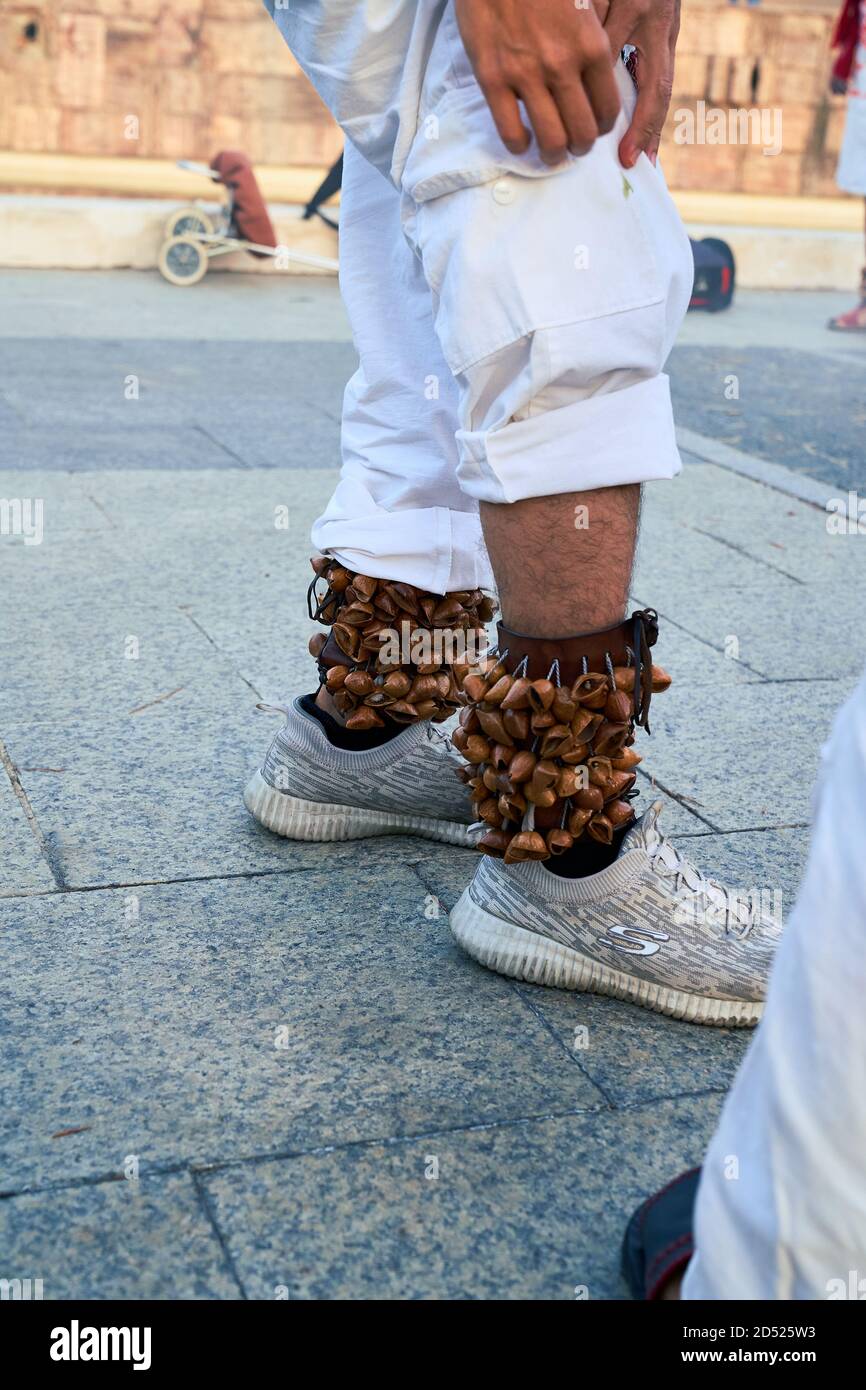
{"x": 414, "y": 773}
{"x": 651, "y": 914}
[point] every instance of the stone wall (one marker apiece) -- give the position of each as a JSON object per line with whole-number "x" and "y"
{"x": 773, "y": 59}
{"x": 165, "y": 79}
{"x": 182, "y": 78}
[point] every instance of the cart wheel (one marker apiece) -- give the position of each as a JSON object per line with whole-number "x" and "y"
{"x": 182, "y": 260}
{"x": 188, "y": 221}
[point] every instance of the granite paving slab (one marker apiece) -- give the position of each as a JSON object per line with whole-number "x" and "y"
{"x": 152, "y": 404}
{"x": 812, "y": 636}
{"x": 776, "y": 530}
{"x": 673, "y": 554}
{"x": 788, "y": 403}
{"x": 150, "y": 1238}
{"x": 154, "y": 447}
{"x": 745, "y": 757}
{"x": 321, "y": 1095}
{"x": 688, "y": 656}
{"x": 158, "y": 794}
{"x": 212, "y": 1021}
{"x": 108, "y": 650}
{"x": 182, "y": 504}
{"x": 525, "y": 1211}
{"x": 23, "y": 867}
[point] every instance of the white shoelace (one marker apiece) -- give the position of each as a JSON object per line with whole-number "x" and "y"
{"x": 435, "y": 736}
{"x": 738, "y": 913}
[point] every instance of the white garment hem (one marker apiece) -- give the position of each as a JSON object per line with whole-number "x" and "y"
{"x": 435, "y": 548}
{"x": 607, "y": 440}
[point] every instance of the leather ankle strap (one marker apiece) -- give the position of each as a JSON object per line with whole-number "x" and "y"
{"x": 615, "y": 643}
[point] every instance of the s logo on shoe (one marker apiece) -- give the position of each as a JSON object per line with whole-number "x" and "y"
{"x": 635, "y": 941}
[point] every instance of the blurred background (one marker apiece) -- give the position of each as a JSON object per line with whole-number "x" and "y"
{"x": 101, "y": 97}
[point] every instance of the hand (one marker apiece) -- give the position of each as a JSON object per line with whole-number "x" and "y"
{"x": 652, "y": 27}
{"x": 551, "y": 55}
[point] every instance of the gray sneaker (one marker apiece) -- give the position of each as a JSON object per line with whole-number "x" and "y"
{"x": 309, "y": 790}
{"x": 649, "y": 928}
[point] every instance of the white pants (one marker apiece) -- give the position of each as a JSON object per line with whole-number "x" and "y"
{"x": 851, "y": 169}
{"x": 781, "y": 1208}
{"x": 512, "y": 321}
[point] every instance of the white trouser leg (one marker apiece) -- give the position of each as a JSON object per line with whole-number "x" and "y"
{"x": 557, "y": 295}
{"x": 781, "y": 1208}
{"x": 519, "y": 351}
{"x": 398, "y": 511}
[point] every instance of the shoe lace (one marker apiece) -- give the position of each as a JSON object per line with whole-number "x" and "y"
{"x": 738, "y": 913}
{"x": 438, "y": 739}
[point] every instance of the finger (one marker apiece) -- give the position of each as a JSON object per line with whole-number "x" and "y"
{"x": 653, "y": 99}
{"x": 577, "y": 116}
{"x": 506, "y": 113}
{"x": 674, "y": 29}
{"x": 603, "y": 94}
{"x": 620, "y": 24}
{"x": 544, "y": 117}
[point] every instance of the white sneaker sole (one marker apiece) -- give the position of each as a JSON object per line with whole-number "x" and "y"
{"x": 297, "y": 819}
{"x": 524, "y": 955}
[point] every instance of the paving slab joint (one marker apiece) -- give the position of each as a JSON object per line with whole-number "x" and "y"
{"x": 47, "y": 851}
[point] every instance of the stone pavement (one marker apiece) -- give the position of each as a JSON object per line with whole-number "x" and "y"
{"x": 234, "y": 1066}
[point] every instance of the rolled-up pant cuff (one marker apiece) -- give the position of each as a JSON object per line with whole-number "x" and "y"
{"x": 606, "y": 440}
{"x": 435, "y": 548}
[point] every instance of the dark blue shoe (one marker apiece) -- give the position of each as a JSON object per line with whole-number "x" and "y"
{"x": 658, "y": 1240}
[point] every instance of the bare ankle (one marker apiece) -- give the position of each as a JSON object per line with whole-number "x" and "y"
{"x": 325, "y": 702}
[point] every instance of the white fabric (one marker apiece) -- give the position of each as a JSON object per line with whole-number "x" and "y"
{"x": 367, "y": 60}
{"x": 851, "y": 170}
{"x": 512, "y": 321}
{"x": 781, "y": 1207}
{"x": 398, "y": 511}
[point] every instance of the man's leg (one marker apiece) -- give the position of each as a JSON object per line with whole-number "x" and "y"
{"x": 781, "y": 1207}
{"x": 557, "y": 296}
{"x": 400, "y": 528}
{"x": 854, "y": 320}
{"x": 397, "y": 512}
{"x": 546, "y": 594}
{"x": 779, "y": 1211}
